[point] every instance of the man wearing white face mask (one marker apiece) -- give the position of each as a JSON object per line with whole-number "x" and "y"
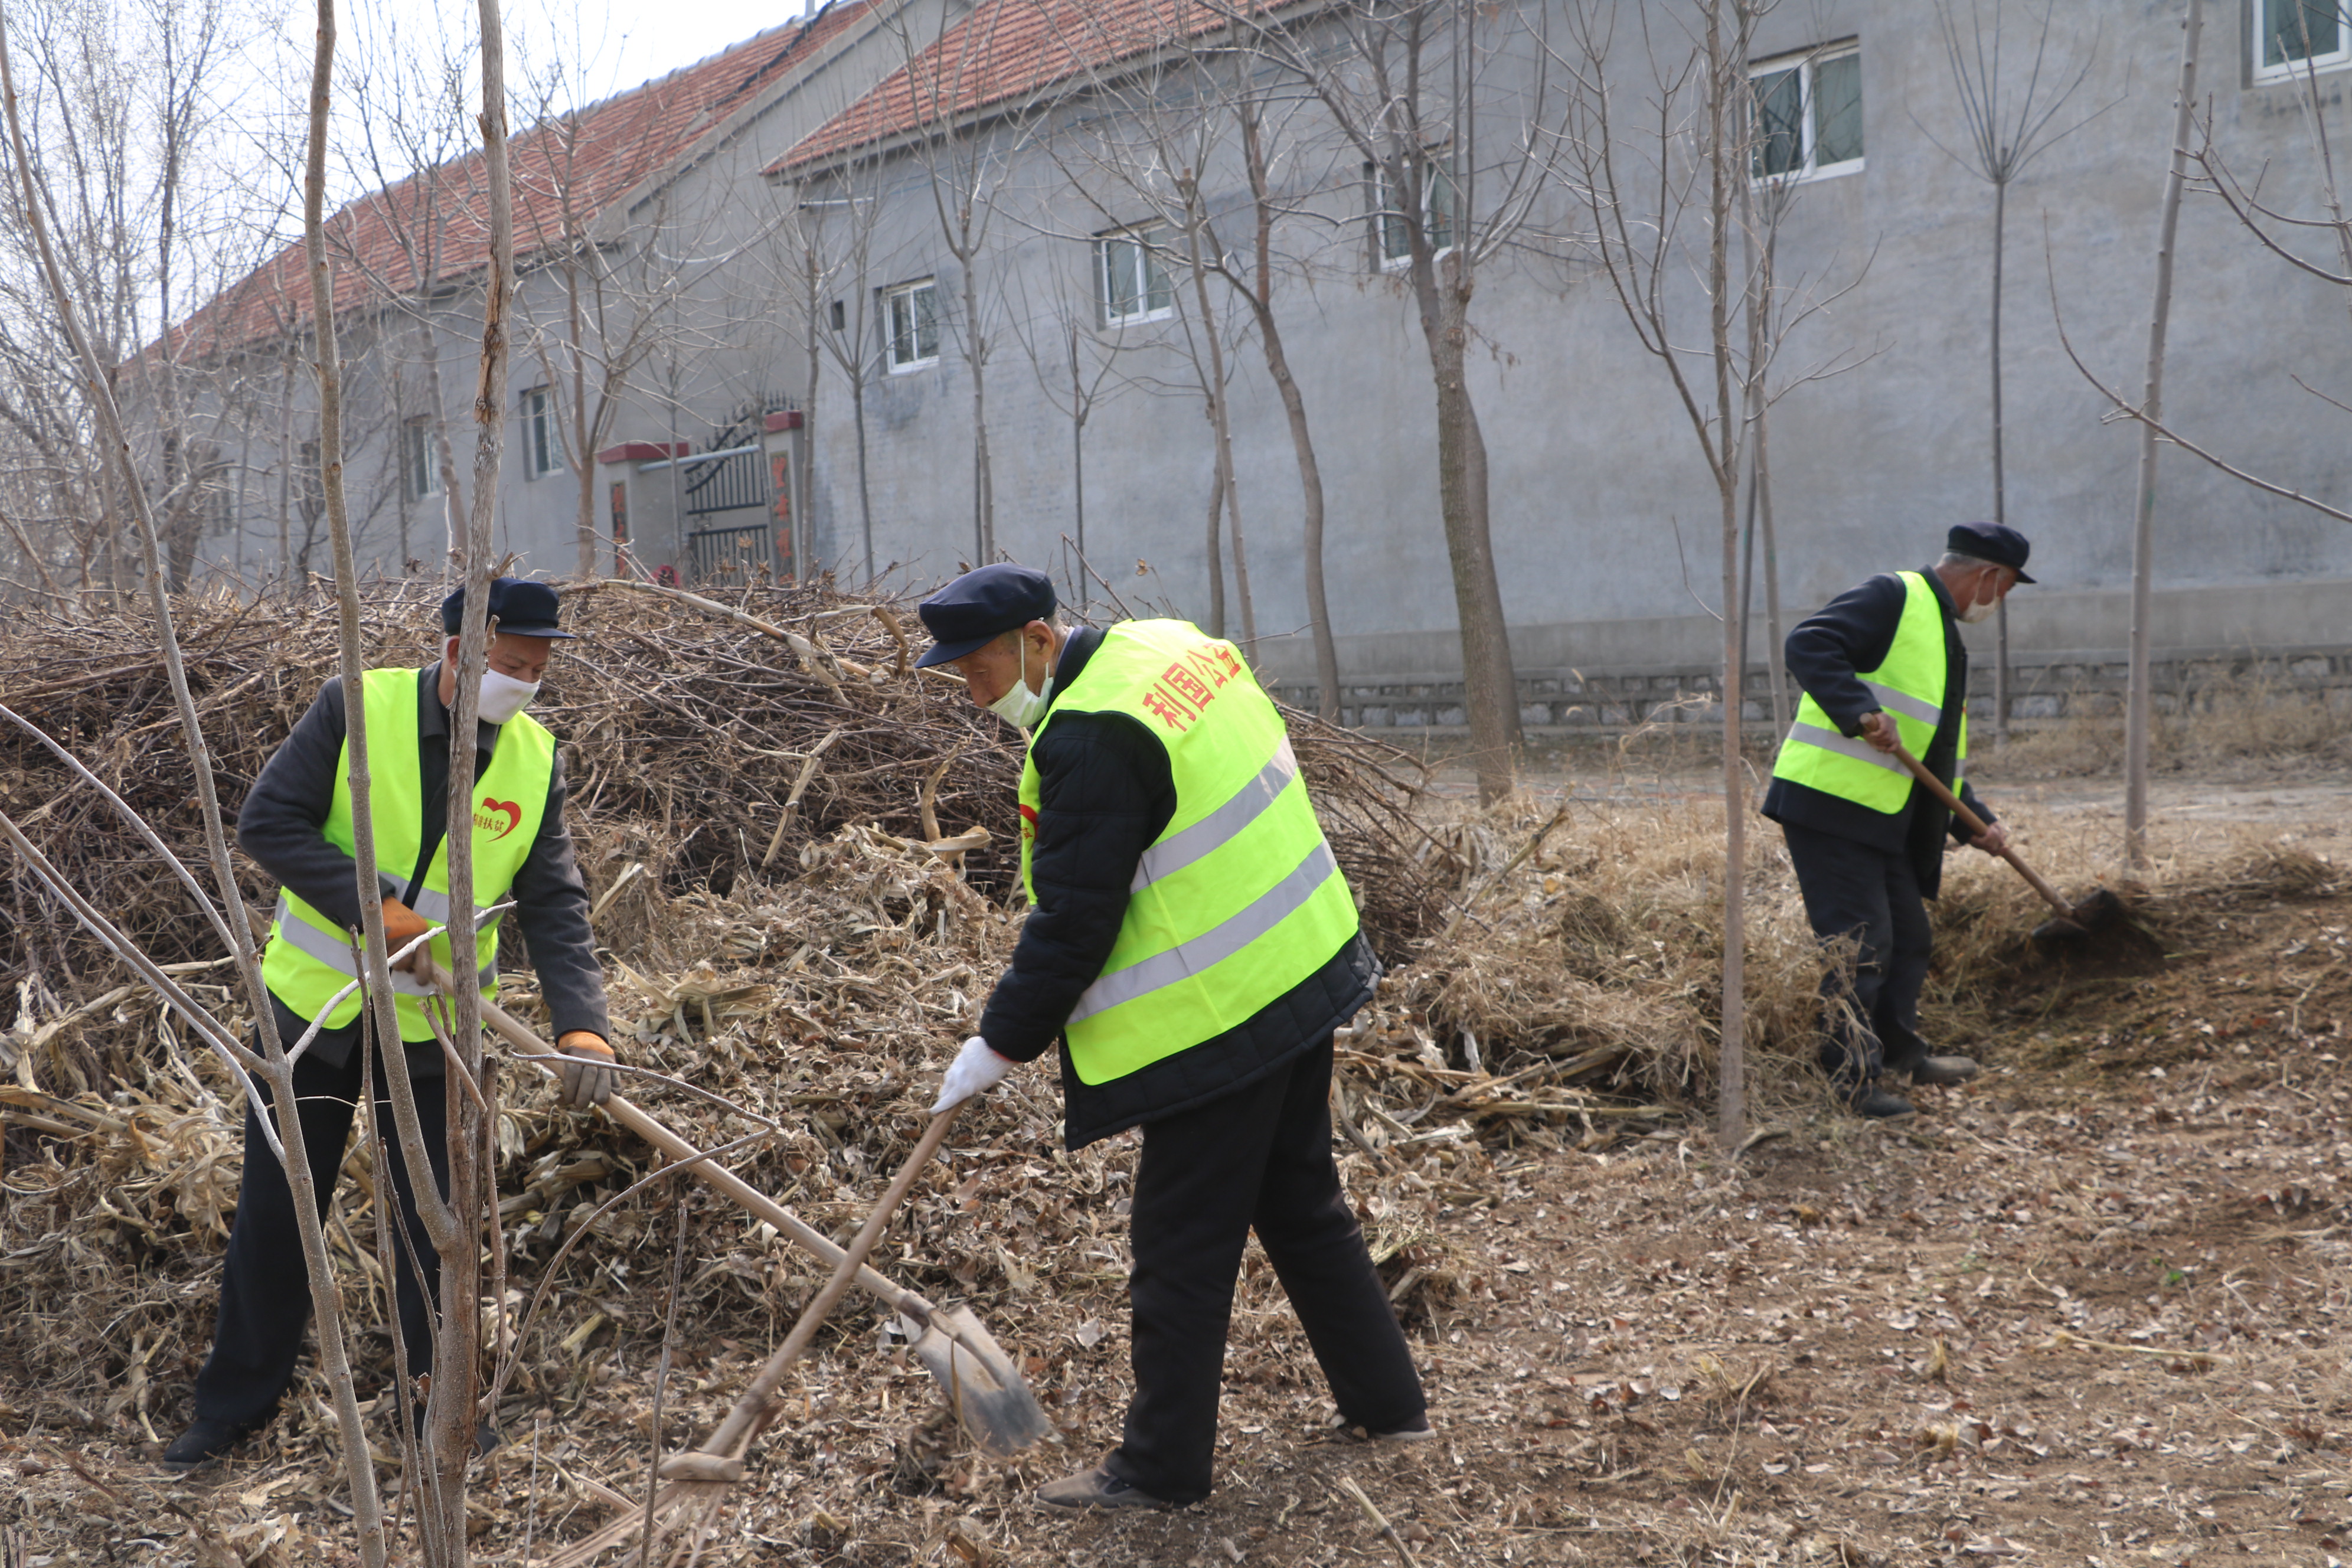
{"x": 1191, "y": 945}
{"x": 296, "y": 823}
{"x": 1883, "y": 662}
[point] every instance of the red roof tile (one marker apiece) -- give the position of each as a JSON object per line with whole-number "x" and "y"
{"x": 587, "y": 160}
{"x": 1006, "y": 50}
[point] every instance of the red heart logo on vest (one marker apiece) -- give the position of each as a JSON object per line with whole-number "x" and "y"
{"x": 512, "y": 812}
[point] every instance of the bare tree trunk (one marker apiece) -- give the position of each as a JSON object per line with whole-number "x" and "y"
{"x": 1221, "y": 424}
{"x": 2140, "y": 701}
{"x": 286, "y": 476}
{"x": 865, "y": 490}
{"x": 1294, "y": 408}
{"x": 1772, "y": 632}
{"x": 1490, "y": 689}
{"x": 1079, "y": 461}
{"x": 584, "y": 458}
{"x": 2000, "y": 485}
{"x": 983, "y": 491}
{"x": 1217, "y": 553}
{"x": 1727, "y": 69}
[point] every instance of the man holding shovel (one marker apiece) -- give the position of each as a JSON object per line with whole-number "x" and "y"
{"x": 296, "y": 823}
{"x": 1192, "y": 946}
{"x": 1882, "y": 666}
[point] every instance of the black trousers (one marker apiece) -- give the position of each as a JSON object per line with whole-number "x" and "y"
{"x": 1870, "y": 1013}
{"x": 264, "y": 1293}
{"x": 1258, "y": 1158}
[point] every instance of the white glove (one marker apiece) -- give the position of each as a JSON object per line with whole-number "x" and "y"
{"x": 975, "y": 1070}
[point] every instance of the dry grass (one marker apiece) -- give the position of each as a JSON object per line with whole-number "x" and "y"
{"x": 2234, "y": 726}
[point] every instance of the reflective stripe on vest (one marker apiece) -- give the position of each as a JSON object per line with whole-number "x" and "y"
{"x": 1239, "y": 899}
{"x": 1909, "y": 687}
{"x": 309, "y": 960}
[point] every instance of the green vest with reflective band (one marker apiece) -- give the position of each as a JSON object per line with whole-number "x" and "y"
{"x": 309, "y": 958}
{"x": 1238, "y": 900}
{"x": 1910, "y": 686}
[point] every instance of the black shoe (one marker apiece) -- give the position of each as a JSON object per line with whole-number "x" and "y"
{"x": 1944, "y": 1072}
{"x": 1095, "y": 1489}
{"x": 204, "y": 1441}
{"x": 1878, "y": 1105}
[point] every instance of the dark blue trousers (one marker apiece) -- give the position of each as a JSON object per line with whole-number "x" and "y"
{"x": 1870, "y": 1001}
{"x": 265, "y": 1298}
{"x": 1259, "y": 1158}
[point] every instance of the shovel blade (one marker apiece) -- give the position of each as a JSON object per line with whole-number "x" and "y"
{"x": 983, "y": 1385}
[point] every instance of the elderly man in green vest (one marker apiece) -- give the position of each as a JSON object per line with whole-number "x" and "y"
{"x": 296, "y": 823}
{"x": 1882, "y": 663}
{"x": 1192, "y": 945}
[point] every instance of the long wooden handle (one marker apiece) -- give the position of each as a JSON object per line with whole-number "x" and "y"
{"x": 1975, "y": 824}
{"x": 731, "y": 1432}
{"x": 713, "y": 1174}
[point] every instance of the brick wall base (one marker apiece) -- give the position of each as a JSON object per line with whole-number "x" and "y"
{"x": 2042, "y": 692}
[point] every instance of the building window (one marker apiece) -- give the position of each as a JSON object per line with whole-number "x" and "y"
{"x": 1808, "y": 114}
{"x": 910, "y": 311}
{"x": 542, "y": 451}
{"x": 420, "y": 464}
{"x": 2291, "y": 36}
{"x": 1391, "y": 234}
{"x": 1133, "y": 282}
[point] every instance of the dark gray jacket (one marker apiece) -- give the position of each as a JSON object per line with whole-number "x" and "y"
{"x": 1825, "y": 652}
{"x": 281, "y": 823}
{"x": 1105, "y": 792}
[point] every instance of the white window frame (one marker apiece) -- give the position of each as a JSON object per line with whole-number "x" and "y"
{"x": 2259, "y": 38}
{"x": 1147, "y": 243}
{"x": 1807, "y": 64}
{"x": 1438, "y": 169}
{"x": 542, "y": 453}
{"x": 891, "y": 298}
{"x": 421, "y": 462}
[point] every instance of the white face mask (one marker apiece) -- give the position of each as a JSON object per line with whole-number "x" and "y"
{"x": 1978, "y": 613}
{"x": 1020, "y": 706}
{"x": 503, "y": 697}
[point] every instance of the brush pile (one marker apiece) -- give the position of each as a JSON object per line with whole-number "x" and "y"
{"x": 799, "y": 928}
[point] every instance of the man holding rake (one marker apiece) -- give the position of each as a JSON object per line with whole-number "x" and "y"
{"x": 1192, "y": 946}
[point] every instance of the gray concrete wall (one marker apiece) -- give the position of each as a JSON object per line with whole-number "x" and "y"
{"x": 1605, "y": 520}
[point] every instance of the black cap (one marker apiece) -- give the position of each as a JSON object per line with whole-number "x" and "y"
{"x": 526, "y": 608}
{"x": 982, "y": 605}
{"x": 1994, "y": 541}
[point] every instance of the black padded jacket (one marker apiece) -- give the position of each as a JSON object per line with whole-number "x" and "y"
{"x": 1105, "y": 793}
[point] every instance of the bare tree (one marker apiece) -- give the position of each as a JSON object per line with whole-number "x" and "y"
{"x": 2007, "y": 125}
{"x": 1415, "y": 87}
{"x": 1665, "y": 198}
{"x": 229, "y": 916}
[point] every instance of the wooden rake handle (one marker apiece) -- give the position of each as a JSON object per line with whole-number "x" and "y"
{"x": 712, "y": 1174}
{"x": 1975, "y": 825}
{"x": 732, "y": 1432}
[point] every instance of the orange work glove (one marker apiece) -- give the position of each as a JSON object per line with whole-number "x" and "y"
{"x": 583, "y": 1082}
{"x": 402, "y": 925}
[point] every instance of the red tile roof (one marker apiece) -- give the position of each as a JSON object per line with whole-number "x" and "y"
{"x": 589, "y": 160}
{"x": 1005, "y": 51}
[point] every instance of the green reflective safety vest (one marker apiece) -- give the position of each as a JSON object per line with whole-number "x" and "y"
{"x": 1239, "y": 899}
{"x": 1910, "y": 686}
{"x": 310, "y": 958}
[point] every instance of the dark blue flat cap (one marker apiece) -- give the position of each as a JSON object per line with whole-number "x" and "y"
{"x": 524, "y": 608}
{"x": 1994, "y": 541}
{"x": 982, "y": 604}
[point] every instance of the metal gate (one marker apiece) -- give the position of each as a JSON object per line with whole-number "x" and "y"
{"x": 716, "y": 483}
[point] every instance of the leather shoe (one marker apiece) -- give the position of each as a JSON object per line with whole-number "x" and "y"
{"x": 1096, "y": 1488}
{"x": 1880, "y": 1106}
{"x": 204, "y": 1441}
{"x": 1944, "y": 1072}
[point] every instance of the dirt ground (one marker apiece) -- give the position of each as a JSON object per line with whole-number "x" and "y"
{"x": 2091, "y": 1309}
